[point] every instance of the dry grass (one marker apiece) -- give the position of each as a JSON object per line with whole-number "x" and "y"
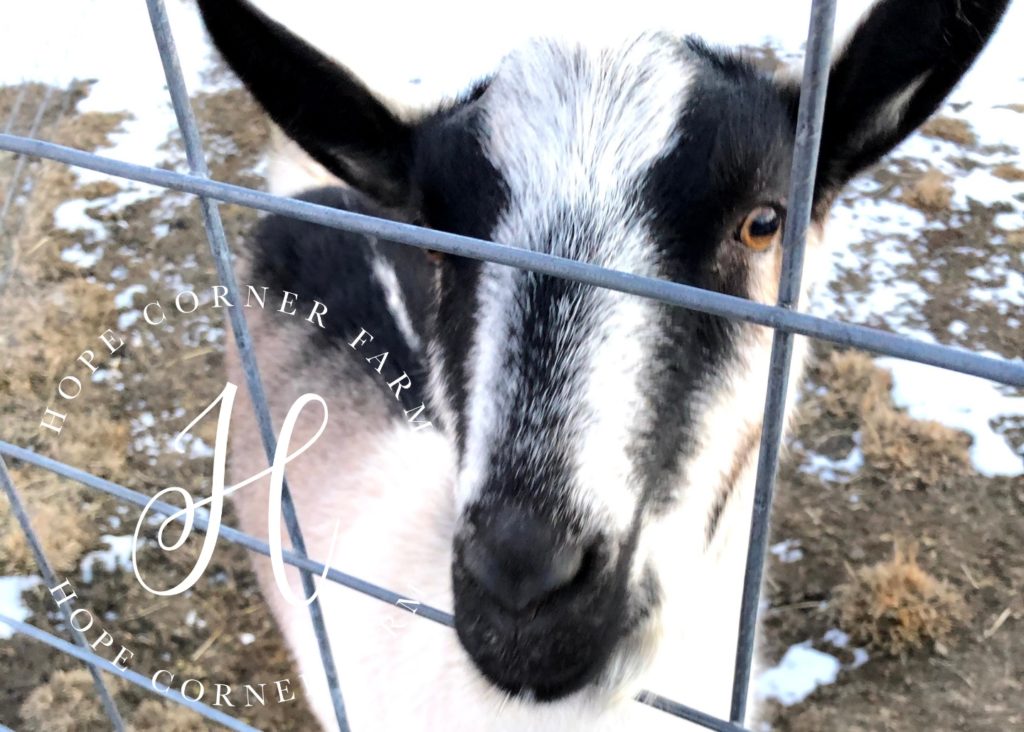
{"x": 922, "y": 453}
{"x": 1009, "y": 172}
{"x": 931, "y": 192}
{"x": 36, "y": 295}
{"x": 855, "y": 383}
{"x": 896, "y": 607}
{"x": 926, "y": 453}
{"x": 68, "y": 701}
{"x": 152, "y": 714}
{"x": 950, "y": 129}
{"x": 50, "y": 310}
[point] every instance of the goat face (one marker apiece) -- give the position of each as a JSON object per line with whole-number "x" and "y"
{"x": 577, "y": 412}
{"x": 589, "y": 424}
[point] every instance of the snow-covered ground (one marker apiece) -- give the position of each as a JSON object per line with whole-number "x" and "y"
{"x": 116, "y": 556}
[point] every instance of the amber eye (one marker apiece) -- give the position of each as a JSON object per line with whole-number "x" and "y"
{"x": 761, "y": 228}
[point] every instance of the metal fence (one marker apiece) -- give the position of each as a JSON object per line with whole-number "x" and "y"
{"x": 783, "y": 317}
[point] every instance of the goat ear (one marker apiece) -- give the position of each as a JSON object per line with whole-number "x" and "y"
{"x": 894, "y": 71}
{"x": 318, "y": 103}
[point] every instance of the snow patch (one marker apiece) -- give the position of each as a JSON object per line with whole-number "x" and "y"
{"x": 802, "y": 670}
{"x": 125, "y": 297}
{"x": 788, "y": 551}
{"x": 11, "y": 603}
{"x": 117, "y": 555}
{"x": 835, "y": 471}
{"x": 962, "y": 402}
{"x": 76, "y": 254}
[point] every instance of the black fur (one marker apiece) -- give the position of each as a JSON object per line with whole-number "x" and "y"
{"x": 461, "y": 193}
{"x": 900, "y": 42}
{"x": 733, "y": 156}
{"x": 318, "y": 103}
{"x": 336, "y": 268}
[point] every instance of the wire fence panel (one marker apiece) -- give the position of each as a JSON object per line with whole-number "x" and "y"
{"x": 783, "y": 317}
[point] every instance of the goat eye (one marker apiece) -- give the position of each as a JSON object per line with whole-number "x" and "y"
{"x": 761, "y": 228}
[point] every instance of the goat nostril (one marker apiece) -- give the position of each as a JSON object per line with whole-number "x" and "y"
{"x": 519, "y": 560}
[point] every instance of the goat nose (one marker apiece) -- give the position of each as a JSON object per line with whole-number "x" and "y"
{"x": 519, "y": 559}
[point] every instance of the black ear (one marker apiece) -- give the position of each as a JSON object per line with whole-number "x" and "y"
{"x": 318, "y": 103}
{"x": 894, "y": 71}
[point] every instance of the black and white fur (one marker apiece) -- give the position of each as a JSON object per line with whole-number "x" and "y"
{"x": 583, "y": 501}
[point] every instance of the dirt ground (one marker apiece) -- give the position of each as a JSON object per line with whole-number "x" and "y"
{"x": 955, "y": 608}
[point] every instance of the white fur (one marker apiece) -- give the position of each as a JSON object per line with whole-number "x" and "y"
{"x": 388, "y": 279}
{"x": 571, "y": 129}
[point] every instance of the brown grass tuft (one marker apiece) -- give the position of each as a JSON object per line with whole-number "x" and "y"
{"x": 922, "y": 453}
{"x": 948, "y": 128}
{"x": 931, "y": 192}
{"x": 165, "y": 716}
{"x": 896, "y": 607}
{"x": 67, "y": 702}
{"x": 62, "y": 530}
{"x": 855, "y": 384}
{"x": 1008, "y": 171}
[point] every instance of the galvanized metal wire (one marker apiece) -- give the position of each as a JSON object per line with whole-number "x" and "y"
{"x": 1004, "y": 371}
{"x": 783, "y": 317}
{"x": 810, "y": 115}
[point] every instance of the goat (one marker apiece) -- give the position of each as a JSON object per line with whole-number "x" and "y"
{"x": 583, "y": 495}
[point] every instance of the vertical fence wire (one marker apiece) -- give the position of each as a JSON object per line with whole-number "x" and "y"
{"x": 222, "y": 258}
{"x": 810, "y": 116}
{"x": 21, "y": 516}
{"x": 15, "y": 108}
{"x": 809, "y": 123}
{"x": 54, "y": 129}
{"x": 19, "y": 166}
{"x": 7, "y": 231}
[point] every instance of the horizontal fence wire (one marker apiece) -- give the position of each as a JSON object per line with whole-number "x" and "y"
{"x": 232, "y": 535}
{"x": 1002, "y": 370}
{"x": 784, "y": 318}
